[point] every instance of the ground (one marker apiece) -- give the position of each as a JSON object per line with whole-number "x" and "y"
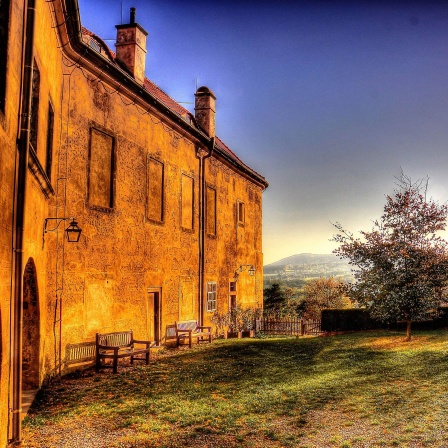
{"x": 355, "y": 390}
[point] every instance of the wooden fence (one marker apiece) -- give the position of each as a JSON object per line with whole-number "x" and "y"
{"x": 293, "y": 327}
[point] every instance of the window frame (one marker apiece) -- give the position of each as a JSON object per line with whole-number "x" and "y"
{"x": 186, "y": 176}
{"x": 113, "y": 168}
{"x": 149, "y": 160}
{"x": 211, "y": 291}
{"x": 215, "y": 207}
{"x": 50, "y": 139}
{"x": 34, "y": 113}
{"x": 240, "y": 213}
{"x": 5, "y": 7}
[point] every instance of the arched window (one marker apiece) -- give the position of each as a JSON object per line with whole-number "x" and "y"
{"x": 30, "y": 329}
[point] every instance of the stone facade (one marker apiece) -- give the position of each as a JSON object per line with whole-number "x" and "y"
{"x": 168, "y": 212}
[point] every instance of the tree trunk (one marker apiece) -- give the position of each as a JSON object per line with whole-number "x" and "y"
{"x": 408, "y": 331}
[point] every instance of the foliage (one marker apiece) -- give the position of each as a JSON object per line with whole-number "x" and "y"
{"x": 273, "y": 297}
{"x": 354, "y": 319}
{"x": 401, "y": 264}
{"x": 237, "y": 319}
{"x": 322, "y": 293}
{"x": 297, "y": 283}
{"x": 221, "y": 321}
{"x": 241, "y": 319}
{"x": 282, "y": 302}
{"x": 257, "y": 393}
{"x": 248, "y": 319}
{"x": 358, "y": 319}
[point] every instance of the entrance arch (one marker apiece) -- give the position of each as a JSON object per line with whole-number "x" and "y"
{"x": 30, "y": 329}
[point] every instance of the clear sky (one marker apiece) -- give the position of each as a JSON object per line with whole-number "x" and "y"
{"x": 327, "y": 100}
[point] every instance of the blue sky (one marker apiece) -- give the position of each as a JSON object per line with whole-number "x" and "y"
{"x": 328, "y": 100}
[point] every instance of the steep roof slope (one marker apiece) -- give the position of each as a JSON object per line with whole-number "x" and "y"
{"x": 96, "y": 43}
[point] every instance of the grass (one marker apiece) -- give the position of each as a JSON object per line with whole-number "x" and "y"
{"x": 354, "y": 390}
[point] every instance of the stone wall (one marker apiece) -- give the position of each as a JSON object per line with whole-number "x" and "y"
{"x": 110, "y": 157}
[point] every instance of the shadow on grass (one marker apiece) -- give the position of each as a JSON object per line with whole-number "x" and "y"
{"x": 240, "y": 389}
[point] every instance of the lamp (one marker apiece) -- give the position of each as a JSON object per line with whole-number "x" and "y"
{"x": 250, "y": 268}
{"x": 73, "y": 231}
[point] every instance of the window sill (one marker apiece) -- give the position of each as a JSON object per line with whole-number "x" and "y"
{"x": 155, "y": 222}
{"x": 100, "y": 208}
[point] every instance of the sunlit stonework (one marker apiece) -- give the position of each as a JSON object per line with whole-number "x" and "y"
{"x": 154, "y": 190}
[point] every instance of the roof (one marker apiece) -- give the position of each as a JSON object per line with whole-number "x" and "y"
{"x": 97, "y": 44}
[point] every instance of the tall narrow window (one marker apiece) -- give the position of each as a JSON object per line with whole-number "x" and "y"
{"x": 211, "y": 211}
{"x": 240, "y": 213}
{"x": 154, "y": 205}
{"x": 187, "y": 185}
{"x": 34, "y": 118}
{"x": 211, "y": 296}
{"x": 50, "y": 126}
{"x": 4, "y": 20}
{"x": 101, "y": 169}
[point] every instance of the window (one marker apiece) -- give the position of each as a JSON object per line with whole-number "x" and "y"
{"x": 50, "y": 126}
{"x": 4, "y": 20}
{"x": 155, "y": 193}
{"x": 211, "y": 296}
{"x": 34, "y": 119}
{"x": 187, "y": 186}
{"x": 232, "y": 287}
{"x": 240, "y": 212}
{"x": 101, "y": 170}
{"x": 210, "y": 220}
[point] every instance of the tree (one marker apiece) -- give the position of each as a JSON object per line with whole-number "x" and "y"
{"x": 323, "y": 293}
{"x": 273, "y": 297}
{"x": 401, "y": 264}
{"x": 282, "y": 302}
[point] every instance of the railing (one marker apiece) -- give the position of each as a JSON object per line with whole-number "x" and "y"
{"x": 288, "y": 326}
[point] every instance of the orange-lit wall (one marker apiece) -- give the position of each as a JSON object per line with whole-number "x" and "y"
{"x": 101, "y": 284}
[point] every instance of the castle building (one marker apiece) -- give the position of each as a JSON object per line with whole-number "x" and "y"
{"x": 170, "y": 217}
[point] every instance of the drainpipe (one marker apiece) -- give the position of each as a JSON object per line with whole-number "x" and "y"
{"x": 202, "y": 155}
{"x": 23, "y": 150}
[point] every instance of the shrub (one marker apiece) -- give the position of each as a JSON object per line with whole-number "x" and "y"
{"x": 248, "y": 319}
{"x": 221, "y": 321}
{"x": 353, "y": 319}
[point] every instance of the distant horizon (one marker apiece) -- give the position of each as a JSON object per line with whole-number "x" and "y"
{"x": 295, "y": 255}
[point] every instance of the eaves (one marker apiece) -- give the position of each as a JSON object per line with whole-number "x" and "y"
{"x": 69, "y": 31}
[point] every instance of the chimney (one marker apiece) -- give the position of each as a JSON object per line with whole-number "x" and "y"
{"x": 131, "y": 47}
{"x": 205, "y": 110}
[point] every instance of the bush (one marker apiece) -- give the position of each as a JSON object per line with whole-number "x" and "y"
{"x": 353, "y": 319}
{"x": 221, "y": 321}
{"x": 357, "y": 319}
{"x": 443, "y": 316}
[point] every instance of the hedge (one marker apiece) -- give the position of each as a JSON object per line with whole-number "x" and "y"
{"x": 356, "y": 319}
{"x": 351, "y": 319}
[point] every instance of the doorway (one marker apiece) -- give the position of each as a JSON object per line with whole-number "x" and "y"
{"x": 154, "y": 314}
{"x": 30, "y": 329}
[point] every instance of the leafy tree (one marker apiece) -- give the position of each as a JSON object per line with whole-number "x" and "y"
{"x": 322, "y": 293}
{"x": 401, "y": 264}
{"x": 273, "y": 297}
{"x": 282, "y": 302}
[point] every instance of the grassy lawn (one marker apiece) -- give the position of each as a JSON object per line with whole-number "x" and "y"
{"x": 355, "y": 390}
